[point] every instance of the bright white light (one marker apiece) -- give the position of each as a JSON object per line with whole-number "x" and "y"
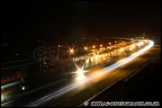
{"x": 80, "y": 77}
{"x": 80, "y": 72}
{"x": 23, "y": 88}
{"x": 103, "y": 72}
{"x": 141, "y": 43}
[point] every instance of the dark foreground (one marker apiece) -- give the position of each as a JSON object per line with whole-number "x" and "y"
{"x": 144, "y": 86}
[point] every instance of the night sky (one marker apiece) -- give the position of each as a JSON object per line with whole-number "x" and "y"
{"x": 51, "y": 21}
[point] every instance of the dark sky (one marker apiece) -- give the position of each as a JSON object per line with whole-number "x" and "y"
{"x": 50, "y": 21}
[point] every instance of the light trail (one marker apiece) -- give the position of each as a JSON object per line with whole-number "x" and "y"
{"x": 86, "y": 80}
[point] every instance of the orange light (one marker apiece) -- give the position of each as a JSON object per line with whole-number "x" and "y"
{"x": 72, "y": 51}
{"x": 85, "y": 48}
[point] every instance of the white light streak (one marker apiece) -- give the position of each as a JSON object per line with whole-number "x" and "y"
{"x": 76, "y": 84}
